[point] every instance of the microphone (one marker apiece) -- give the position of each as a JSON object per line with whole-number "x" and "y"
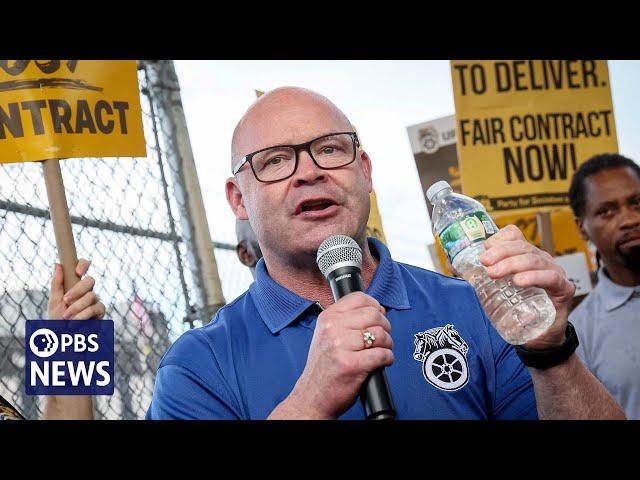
{"x": 340, "y": 261}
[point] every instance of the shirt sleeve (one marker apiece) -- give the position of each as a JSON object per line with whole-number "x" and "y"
{"x": 190, "y": 386}
{"x": 514, "y": 397}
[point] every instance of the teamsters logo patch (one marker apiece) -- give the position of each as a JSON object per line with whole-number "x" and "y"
{"x": 443, "y": 354}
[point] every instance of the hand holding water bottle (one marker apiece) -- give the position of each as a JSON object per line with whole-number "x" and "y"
{"x": 509, "y": 253}
{"x": 523, "y": 292}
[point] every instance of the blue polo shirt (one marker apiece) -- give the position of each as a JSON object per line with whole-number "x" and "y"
{"x": 450, "y": 363}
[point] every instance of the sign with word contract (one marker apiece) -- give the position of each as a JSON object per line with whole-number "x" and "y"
{"x": 524, "y": 127}
{"x": 69, "y": 108}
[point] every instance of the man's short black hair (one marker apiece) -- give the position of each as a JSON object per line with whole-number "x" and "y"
{"x": 597, "y": 163}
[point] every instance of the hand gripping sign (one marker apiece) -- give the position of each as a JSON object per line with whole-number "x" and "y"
{"x": 56, "y": 109}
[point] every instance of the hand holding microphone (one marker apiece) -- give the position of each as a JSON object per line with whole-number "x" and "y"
{"x": 339, "y": 361}
{"x": 351, "y": 344}
{"x": 340, "y": 261}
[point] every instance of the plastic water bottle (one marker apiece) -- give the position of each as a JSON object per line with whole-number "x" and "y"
{"x": 462, "y": 225}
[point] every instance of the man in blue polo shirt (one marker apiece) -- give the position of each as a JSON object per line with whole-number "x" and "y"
{"x": 285, "y": 349}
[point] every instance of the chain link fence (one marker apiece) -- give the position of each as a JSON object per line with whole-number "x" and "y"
{"x": 128, "y": 220}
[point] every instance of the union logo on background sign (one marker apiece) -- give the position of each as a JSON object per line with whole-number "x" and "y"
{"x": 69, "y": 108}
{"x": 429, "y": 139}
{"x": 443, "y": 353}
{"x": 69, "y": 357}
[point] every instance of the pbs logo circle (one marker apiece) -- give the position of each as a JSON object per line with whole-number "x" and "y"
{"x": 43, "y": 343}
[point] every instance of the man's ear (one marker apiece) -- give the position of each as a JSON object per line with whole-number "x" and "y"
{"x": 581, "y": 229}
{"x": 234, "y": 197}
{"x": 366, "y": 168}
{"x": 245, "y": 257}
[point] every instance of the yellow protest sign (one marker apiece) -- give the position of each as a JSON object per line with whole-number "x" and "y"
{"x": 524, "y": 127}
{"x": 374, "y": 223}
{"x": 69, "y": 108}
{"x": 566, "y": 238}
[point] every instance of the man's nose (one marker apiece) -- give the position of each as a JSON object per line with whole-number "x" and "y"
{"x": 308, "y": 172}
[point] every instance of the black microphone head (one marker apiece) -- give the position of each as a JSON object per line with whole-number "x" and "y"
{"x": 338, "y": 251}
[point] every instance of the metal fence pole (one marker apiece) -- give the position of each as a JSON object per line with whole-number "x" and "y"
{"x": 164, "y": 90}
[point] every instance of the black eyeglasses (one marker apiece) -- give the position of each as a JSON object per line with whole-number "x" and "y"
{"x": 279, "y": 162}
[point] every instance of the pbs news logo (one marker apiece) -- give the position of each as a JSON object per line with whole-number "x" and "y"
{"x": 69, "y": 357}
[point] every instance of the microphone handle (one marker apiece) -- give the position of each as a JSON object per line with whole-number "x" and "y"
{"x": 375, "y": 394}
{"x": 376, "y": 397}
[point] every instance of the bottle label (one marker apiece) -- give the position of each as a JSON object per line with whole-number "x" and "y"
{"x": 473, "y": 228}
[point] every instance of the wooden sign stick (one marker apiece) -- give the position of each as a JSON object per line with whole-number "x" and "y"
{"x": 61, "y": 222}
{"x": 78, "y": 407}
{"x": 546, "y": 233}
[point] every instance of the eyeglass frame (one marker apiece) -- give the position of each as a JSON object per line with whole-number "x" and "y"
{"x": 306, "y": 146}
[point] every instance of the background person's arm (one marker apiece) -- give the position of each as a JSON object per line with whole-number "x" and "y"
{"x": 80, "y": 303}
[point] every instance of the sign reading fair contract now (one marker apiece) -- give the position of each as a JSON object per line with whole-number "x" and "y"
{"x": 69, "y": 108}
{"x": 524, "y": 127}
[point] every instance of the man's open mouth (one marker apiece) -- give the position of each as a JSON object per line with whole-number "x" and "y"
{"x": 314, "y": 205}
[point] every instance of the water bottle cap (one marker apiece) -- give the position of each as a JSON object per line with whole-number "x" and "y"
{"x": 433, "y": 190}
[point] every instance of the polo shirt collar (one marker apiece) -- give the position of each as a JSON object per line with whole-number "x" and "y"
{"x": 280, "y": 307}
{"x": 612, "y": 294}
